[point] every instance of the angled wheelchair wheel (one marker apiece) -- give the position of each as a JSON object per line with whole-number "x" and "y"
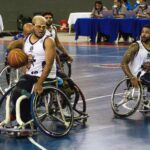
{"x": 52, "y": 112}
{"x": 4, "y": 103}
{"x": 67, "y": 68}
{"x": 77, "y": 100}
{"x": 65, "y": 64}
{"x": 8, "y": 77}
{"x": 125, "y": 99}
{"x": 79, "y": 106}
{"x": 2, "y": 106}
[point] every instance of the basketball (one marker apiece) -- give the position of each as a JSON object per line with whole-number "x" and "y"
{"x": 17, "y": 58}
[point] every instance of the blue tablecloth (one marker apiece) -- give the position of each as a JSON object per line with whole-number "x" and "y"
{"x": 139, "y": 25}
{"x": 86, "y": 27}
{"x": 127, "y": 25}
{"x": 109, "y": 26}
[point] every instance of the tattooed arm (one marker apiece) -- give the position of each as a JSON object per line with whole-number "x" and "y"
{"x": 129, "y": 57}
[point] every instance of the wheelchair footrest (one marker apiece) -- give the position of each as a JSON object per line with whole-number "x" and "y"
{"x": 15, "y": 132}
{"x": 145, "y": 107}
{"x": 144, "y": 111}
{"x": 81, "y": 117}
{"x": 80, "y": 120}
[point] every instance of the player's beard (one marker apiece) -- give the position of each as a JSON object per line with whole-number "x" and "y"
{"x": 39, "y": 34}
{"x": 145, "y": 39}
{"x": 48, "y": 24}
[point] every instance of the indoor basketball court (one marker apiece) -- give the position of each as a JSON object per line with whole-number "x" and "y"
{"x": 96, "y": 69}
{"x": 97, "y": 46}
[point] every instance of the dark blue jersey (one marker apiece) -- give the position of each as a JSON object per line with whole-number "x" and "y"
{"x": 18, "y": 36}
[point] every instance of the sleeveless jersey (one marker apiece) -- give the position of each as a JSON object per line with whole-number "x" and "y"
{"x": 51, "y": 32}
{"x": 140, "y": 58}
{"x": 36, "y": 53}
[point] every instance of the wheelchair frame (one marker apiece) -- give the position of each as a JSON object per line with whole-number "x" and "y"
{"x": 51, "y": 113}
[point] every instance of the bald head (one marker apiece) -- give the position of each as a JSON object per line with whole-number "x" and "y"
{"x": 27, "y": 29}
{"x": 38, "y": 20}
{"x": 39, "y": 26}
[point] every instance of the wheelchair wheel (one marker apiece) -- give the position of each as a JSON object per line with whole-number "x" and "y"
{"x": 125, "y": 99}
{"x": 8, "y": 78}
{"x": 52, "y": 112}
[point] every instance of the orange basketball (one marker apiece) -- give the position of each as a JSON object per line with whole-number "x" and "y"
{"x": 17, "y": 58}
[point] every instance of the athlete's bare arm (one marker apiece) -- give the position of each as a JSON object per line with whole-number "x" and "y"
{"x": 16, "y": 44}
{"x": 120, "y": 16}
{"x": 50, "y": 54}
{"x": 143, "y": 15}
{"x": 128, "y": 57}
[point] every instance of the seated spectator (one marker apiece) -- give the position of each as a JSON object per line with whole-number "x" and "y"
{"x": 143, "y": 10}
{"x": 127, "y": 4}
{"x": 137, "y": 3}
{"x": 97, "y": 12}
{"x": 20, "y": 22}
{"x": 98, "y": 9}
{"x": 119, "y": 9}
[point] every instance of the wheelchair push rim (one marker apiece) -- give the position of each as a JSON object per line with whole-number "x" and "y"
{"x": 125, "y": 99}
{"x": 48, "y": 113}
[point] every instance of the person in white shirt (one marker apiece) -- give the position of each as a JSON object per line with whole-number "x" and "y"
{"x": 41, "y": 63}
{"x": 136, "y": 60}
{"x": 119, "y": 9}
{"x": 53, "y": 33}
{"x": 143, "y": 9}
{"x": 97, "y": 12}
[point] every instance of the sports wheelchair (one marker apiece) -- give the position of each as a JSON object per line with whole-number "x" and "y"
{"x": 126, "y": 99}
{"x": 48, "y": 109}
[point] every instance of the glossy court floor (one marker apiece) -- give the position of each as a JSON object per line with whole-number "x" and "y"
{"x": 96, "y": 70}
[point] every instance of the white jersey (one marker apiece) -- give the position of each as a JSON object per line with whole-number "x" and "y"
{"x": 140, "y": 58}
{"x": 36, "y": 53}
{"x": 51, "y": 32}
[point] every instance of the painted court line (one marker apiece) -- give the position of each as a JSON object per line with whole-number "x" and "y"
{"x": 85, "y": 44}
{"x": 99, "y": 97}
{"x": 90, "y": 55}
{"x": 36, "y": 144}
